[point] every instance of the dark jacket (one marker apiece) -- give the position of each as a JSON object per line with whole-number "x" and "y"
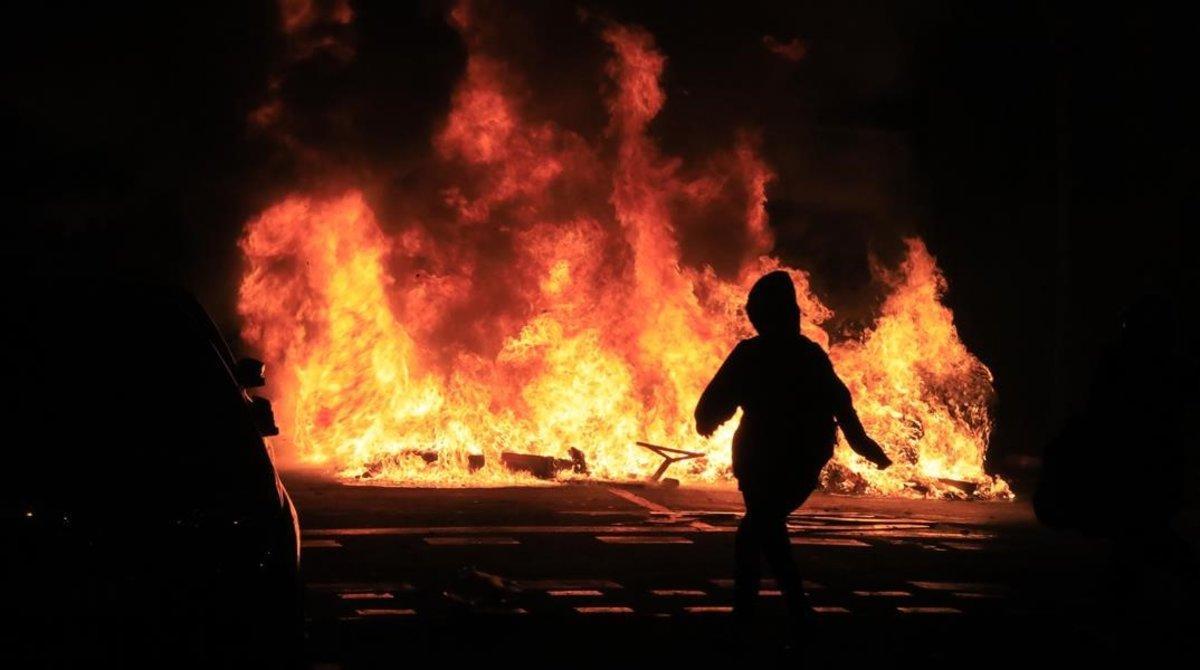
{"x": 791, "y": 398}
{"x": 1137, "y": 420}
{"x": 792, "y": 402}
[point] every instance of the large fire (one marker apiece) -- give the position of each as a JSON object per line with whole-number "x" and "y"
{"x": 545, "y": 306}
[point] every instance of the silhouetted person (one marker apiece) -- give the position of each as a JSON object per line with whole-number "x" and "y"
{"x": 1123, "y": 468}
{"x": 792, "y": 403}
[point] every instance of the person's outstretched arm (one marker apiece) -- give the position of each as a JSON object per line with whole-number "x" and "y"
{"x": 720, "y": 398}
{"x": 848, "y": 421}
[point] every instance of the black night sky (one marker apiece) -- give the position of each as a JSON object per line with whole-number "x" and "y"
{"x": 1042, "y": 150}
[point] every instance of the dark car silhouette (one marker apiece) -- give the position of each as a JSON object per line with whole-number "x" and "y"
{"x": 144, "y": 515}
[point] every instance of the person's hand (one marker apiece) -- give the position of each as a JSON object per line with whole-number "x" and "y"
{"x": 871, "y": 451}
{"x": 705, "y": 430}
{"x": 882, "y": 462}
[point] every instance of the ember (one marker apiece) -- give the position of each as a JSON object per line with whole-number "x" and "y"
{"x": 544, "y": 308}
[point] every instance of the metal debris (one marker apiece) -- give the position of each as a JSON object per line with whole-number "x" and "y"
{"x": 670, "y": 456}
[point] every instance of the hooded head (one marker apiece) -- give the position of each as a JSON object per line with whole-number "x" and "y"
{"x": 1151, "y": 321}
{"x": 772, "y": 306}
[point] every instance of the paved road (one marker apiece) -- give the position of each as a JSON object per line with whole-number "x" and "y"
{"x": 604, "y": 573}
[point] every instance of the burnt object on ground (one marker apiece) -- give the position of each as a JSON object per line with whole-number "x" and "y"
{"x": 545, "y": 467}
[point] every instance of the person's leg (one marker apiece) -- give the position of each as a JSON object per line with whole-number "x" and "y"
{"x": 777, "y": 548}
{"x": 747, "y": 569}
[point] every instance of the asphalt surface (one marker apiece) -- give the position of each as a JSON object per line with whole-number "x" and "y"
{"x": 603, "y": 574}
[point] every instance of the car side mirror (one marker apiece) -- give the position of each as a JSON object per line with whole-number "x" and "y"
{"x": 250, "y": 373}
{"x": 263, "y": 416}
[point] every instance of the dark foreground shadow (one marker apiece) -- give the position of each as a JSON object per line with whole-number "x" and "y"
{"x": 143, "y": 516}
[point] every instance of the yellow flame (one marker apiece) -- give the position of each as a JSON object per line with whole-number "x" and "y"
{"x": 613, "y": 337}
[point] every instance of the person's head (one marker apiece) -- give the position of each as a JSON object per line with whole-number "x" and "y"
{"x": 1152, "y": 319}
{"x": 772, "y": 306}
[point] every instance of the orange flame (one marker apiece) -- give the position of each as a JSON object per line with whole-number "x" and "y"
{"x": 547, "y": 307}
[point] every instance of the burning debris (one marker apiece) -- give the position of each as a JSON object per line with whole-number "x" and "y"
{"x": 532, "y": 296}
{"x": 545, "y": 467}
{"x": 386, "y": 462}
